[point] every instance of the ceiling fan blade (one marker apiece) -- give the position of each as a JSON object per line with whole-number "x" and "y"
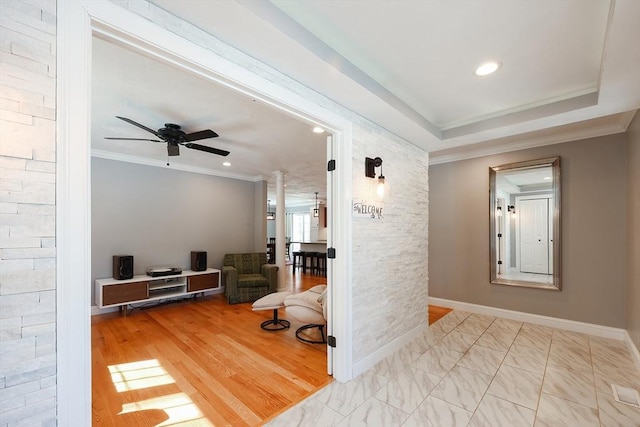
{"x": 139, "y": 125}
{"x": 203, "y": 134}
{"x": 207, "y": 149}
{"x": 132, "y": 139}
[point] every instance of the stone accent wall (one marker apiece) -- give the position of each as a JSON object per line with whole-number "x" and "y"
{"x": 27, "y": 213}
{"x": 390, "y": 275}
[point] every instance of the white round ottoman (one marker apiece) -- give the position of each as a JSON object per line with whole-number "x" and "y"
{"x": 273, "y": 302}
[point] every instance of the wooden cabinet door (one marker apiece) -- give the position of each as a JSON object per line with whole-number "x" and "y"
{"x": 203, "y": 282}
{"x": 126, "y": 292}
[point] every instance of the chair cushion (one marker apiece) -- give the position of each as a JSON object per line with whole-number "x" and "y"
{"x": 318, "y": 289}
{"x": 305, "y": 315}
{"x": 308, "y": 298}
{"x": 322, "y": 298}
{"x": 271, "y": 301}
{"x": 252, "y": 281}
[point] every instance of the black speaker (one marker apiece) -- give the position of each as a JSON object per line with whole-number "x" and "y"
{"x": 122, "y": 267}
{"x": 198, "y": 260}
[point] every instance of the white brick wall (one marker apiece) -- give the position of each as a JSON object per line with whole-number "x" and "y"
{"x": 27, "y": 213}
{"x": 390, "y": 277}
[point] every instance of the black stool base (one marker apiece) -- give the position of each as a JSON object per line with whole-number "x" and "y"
{"x": 275, "y": 324}
{"x": 305, "y": 327}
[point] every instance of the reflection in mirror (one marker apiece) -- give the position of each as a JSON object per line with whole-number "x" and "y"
{"x": 525, "y": 223}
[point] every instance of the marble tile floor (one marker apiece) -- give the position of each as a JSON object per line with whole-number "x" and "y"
{"x": 476, "y": 370}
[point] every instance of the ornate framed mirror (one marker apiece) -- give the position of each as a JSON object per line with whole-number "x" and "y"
{"x": 524, "y": 224}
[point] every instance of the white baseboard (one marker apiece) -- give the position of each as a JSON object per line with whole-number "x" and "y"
{"x": 633, "y": 349}
{"x": 554, "y": 322}
{"x": 395, "y": 345}
{"x": 95, "y": 310}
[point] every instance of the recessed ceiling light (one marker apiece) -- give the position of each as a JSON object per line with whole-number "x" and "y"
{"x": 547, "y": 178}
{"x": 487, "y": 68}
{"x": 226, "y": 164}
{"x": 318, "y": 129}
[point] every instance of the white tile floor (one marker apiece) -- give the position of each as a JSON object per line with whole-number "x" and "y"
{"x": 476, "y": 370}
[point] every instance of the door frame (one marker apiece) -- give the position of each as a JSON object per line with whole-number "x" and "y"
{"x": 78, "y": 21}
{"x": 506, "y": 231}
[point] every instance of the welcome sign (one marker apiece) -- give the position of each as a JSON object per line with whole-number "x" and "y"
{"x": 363, "y": 208}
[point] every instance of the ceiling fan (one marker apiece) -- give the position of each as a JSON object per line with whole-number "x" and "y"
{"x": 175, "y": 137}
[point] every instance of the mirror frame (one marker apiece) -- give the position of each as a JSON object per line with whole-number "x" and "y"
{"x": 554, "y": 163}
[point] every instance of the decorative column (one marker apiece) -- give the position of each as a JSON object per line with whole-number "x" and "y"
{"x": 280, "y": 232}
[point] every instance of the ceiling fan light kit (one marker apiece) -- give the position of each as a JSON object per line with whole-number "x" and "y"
{"x": 174, "y": 136}
{"x": 173, "y": 149}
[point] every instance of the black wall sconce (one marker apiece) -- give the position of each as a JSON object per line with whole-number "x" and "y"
{"x": 511, "y": 209}
{"x": 370, "y": 166}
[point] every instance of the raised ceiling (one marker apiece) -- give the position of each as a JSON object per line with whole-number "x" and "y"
{"x": 569, "y": 70}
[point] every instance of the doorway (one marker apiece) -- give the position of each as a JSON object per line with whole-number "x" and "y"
{"x": 77, "y": 23}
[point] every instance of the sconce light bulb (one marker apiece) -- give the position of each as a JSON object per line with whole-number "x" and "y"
{"x": 380, "y": 188}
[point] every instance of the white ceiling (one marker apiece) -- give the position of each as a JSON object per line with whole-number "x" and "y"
{"x": 260, "y": 139}
{"x": 570, "y": 70}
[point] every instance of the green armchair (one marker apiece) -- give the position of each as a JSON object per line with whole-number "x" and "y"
{"x": 247, "y": 277}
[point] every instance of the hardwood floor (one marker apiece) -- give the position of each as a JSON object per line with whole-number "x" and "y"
{"x": 436, "y": 313}
{"x": 201, "y": 362}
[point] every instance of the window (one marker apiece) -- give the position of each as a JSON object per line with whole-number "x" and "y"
{"x": 300, "y": 226}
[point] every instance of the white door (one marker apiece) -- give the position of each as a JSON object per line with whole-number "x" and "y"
{"x": 534, "y": 235}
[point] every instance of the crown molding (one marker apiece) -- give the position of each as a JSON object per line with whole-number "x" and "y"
{"x": 109, "y": 155}
{"x": 616, "y": 123}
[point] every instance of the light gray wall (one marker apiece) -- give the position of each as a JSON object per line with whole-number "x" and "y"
{"x": 594, "y": 233}
{"x": 160, "y": 215}
{"x": 633, "y": 251}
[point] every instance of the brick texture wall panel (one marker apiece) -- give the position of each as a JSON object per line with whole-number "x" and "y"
{"x": 27, "y": 213}
{"x": 390, "y": 254}
{"x": 28, "y": 281}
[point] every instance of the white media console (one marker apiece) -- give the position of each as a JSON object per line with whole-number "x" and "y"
{"x": 120, "y": 293}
